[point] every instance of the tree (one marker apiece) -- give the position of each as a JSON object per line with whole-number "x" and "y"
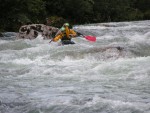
{"x": 79, "y": 10}
{"x": 17, "y": 12}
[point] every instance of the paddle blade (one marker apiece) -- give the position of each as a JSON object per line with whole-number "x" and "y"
{"x": 90, "y": 38}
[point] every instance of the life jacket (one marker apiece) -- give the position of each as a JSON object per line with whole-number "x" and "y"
{"x": 65, "y": 34}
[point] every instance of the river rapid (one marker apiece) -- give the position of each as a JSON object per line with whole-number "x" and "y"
{"x": 87, "y": 77}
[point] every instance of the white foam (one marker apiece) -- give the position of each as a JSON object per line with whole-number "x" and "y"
{"x": 24, "y": 61}
{"x": 48, "y": 75}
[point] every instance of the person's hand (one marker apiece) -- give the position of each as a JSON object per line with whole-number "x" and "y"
{"x": 71, "y": 35}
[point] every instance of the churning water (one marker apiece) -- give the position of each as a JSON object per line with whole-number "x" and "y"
{"x": 111, "y": 75}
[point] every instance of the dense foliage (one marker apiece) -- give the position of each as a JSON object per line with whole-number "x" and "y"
{"x": 15, "y": 13}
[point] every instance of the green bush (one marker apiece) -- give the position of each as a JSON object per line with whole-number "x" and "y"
{"x": 147, "y": 15}
{"x": 56, "y": 21}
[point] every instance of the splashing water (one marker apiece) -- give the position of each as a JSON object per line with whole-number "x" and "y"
{"x": 111, "y": 75}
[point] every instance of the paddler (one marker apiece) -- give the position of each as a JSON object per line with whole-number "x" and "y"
{"x": 65, "y": 34}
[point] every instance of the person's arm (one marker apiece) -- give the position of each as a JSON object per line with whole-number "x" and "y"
{"x": 72, "y": 33}
{"x": 56, "y": 38}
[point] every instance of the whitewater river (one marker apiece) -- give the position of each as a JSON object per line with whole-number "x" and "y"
{"x": 111, "y": 75}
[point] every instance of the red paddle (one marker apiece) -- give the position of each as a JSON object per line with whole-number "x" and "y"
{"x": 90, "y": 38}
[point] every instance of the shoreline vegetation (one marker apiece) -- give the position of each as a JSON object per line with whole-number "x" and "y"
{"x": 15, "y": 13}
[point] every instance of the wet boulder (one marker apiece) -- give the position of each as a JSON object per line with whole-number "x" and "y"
{"x": 33, "y": 30}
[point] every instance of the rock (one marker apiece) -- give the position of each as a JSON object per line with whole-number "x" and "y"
{"x": 1, "y": 35}
{"x": 32, "y": 31}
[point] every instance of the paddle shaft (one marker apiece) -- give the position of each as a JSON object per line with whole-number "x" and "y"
{"x": 51, "y": 40}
